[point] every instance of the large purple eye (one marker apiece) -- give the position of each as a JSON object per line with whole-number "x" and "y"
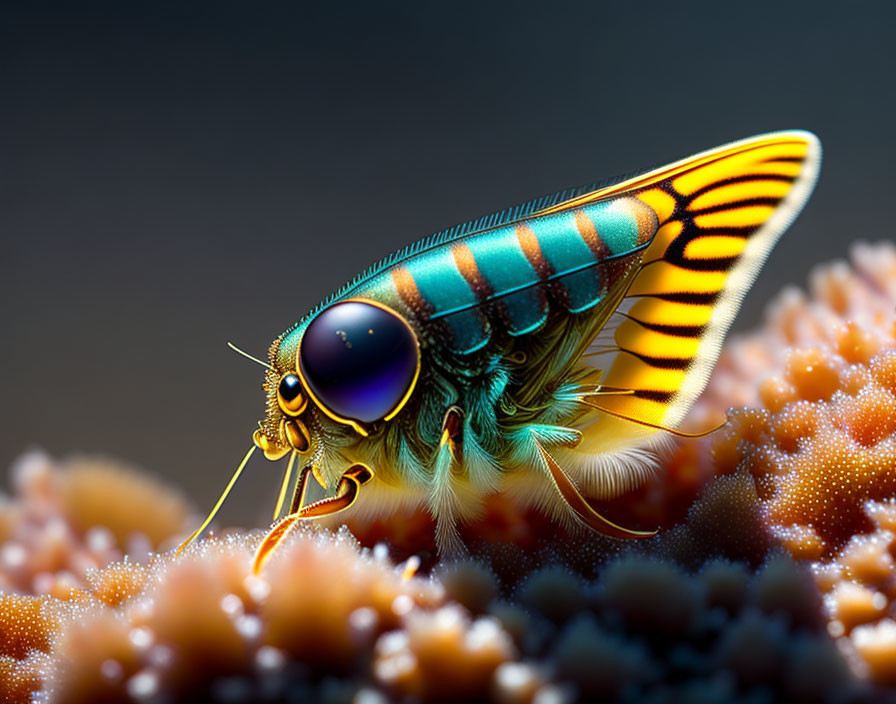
{"x": 359, "y": 360}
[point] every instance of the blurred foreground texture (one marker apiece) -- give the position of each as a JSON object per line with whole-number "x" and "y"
{"x": 773, "y": 579}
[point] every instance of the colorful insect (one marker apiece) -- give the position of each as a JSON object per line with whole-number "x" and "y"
{"x": 539, "y": 352}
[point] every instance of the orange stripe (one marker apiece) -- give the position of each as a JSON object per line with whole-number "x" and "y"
{"x": 407, "y": 289}
{"x": 466, "y": 265}
{"x": 588, "y": 232}
{"x": 532, "y": 249}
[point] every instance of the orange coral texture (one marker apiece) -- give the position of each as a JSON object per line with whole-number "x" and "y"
{"x": 820, "y": 441}
{"x": 89, "y": 626}
{"x": 75, "y": 516}
{"x": 175, "y": 624}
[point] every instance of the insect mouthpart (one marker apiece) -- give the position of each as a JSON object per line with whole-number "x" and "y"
{"x": 292, "y": 435}
{"x": 296, "y": 433}
{"x": 272, "y": 449}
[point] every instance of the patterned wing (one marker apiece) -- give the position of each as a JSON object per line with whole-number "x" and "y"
{"x": 719, "y": 214}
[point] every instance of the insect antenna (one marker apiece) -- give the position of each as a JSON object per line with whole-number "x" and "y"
{"x": 672, "y": 431}
{"x": 236, "y": 475}
{"x": 248, "y": 356}
{"x": 286, "y": 477}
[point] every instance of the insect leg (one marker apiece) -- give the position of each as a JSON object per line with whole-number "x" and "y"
{"x": 286, "y": 477}
{"x": 346, "y": 494}
{"x": 443, "y": 500}
{"x": 298, "y": 495}
{"x": 452, "y": 429}
{"x": 580, "y": 507}
{"x": 646, "y": 424}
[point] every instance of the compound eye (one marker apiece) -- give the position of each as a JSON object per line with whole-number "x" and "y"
{"x": 359, "y": 360}
{"x": 289, "y": 395}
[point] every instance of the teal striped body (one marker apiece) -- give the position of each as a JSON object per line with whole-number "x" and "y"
{"x": 535, "y": 353}
{"x": 472, "y": 289}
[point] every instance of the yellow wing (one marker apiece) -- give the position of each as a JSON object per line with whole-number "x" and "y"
{"x": 720, "y": 213}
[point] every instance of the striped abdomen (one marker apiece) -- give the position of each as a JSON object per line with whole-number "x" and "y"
{"x": 507, "y": 278}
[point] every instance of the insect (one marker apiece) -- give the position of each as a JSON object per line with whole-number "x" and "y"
{"x": 539, "y": 352}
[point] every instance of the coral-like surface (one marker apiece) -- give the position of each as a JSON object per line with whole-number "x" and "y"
{"x": 818, "y": 444}
{"x": 859, "y": 294}
{"x": 860, "y": 594}
{"x": 774, "y": 579}
{"x": 322, "y": 612}
{"x": 820, "y": 448}
{"x": 329, "y": 621}
{"x": 68, "y": 518}
{"x": 324, "y": 622}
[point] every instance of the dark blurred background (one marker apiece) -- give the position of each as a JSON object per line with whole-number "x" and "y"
{"x": 175, "y": 177}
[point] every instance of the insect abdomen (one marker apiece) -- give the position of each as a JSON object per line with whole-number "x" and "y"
{"x": 508, "y": 277}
